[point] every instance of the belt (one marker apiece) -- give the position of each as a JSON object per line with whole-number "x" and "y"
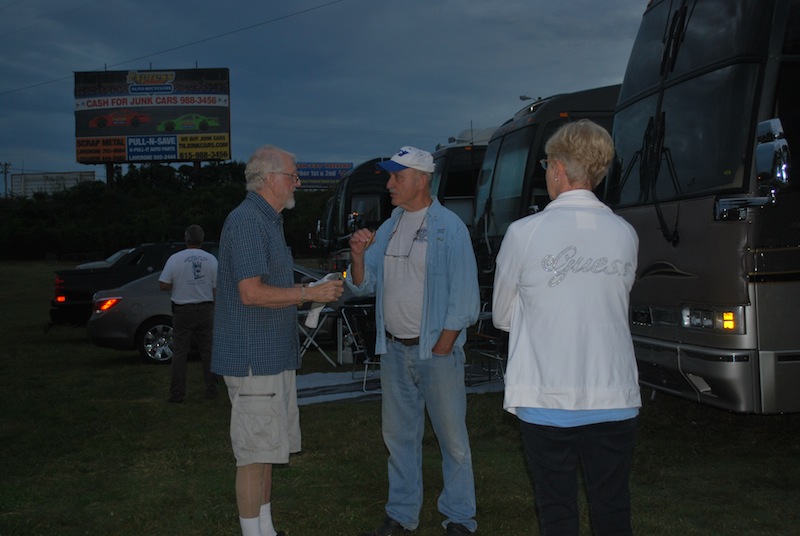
{"x": 404, "y": 342}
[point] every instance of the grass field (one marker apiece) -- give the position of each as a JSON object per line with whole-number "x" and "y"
{"x": 88, "y": 446}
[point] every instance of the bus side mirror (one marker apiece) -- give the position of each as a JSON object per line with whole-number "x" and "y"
{"x": 772, "y": 158}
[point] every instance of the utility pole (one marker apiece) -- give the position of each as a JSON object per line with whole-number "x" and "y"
{"x": 5, "y": 165}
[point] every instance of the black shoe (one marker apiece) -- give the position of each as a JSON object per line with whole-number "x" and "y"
{"x": 457, "y": 529}
{"x": 175, "y": 399}
{"x": 389, "y": 527}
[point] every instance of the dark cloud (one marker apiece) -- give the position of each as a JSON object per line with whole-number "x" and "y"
{"x": 330, "y": 81}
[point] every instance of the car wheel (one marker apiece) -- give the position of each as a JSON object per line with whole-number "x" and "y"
{"x": 169, "y": 127}
{"x": 101, "y": 122}
{"x": 135, "y": 122}
{"x": 154, "y": 340}
{"x": 203, "y": 125}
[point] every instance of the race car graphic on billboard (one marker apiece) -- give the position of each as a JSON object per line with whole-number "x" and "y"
{"x": 119, "y": 118}
{"x": 152, "y": 116}
{"x": 190, "y": 122}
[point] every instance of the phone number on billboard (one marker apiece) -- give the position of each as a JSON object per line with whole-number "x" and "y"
{"x": 204, "y": 155}
{"x": 198, "y": 100}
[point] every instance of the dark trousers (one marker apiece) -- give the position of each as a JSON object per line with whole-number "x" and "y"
{"x": 605, "y": 452}
{"x": 190, "y": 322}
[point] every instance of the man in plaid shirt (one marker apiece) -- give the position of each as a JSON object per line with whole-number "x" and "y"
{"x": 256, "y": 346}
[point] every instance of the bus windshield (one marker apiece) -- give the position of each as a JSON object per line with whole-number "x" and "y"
{"x": 505, "y": 185}
{"x": 678, "y": 160}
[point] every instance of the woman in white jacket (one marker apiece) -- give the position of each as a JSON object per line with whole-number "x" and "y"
{"x": 561, "y": 291}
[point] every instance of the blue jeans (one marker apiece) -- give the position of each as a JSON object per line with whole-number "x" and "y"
{"x": 408, "y": 386}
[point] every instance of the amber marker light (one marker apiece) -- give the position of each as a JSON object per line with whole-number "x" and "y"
{"x": 106, "y": 304}
{"x": 728, "y": 320}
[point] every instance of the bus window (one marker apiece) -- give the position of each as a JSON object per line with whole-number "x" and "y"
{"x": 368, "y": 208}
{"x": 463, "y": 173}
{"x": 719, "y": 30}
{"x": 539, "y": 197}
{"x": 484, "y": 187}
{"x": 509, "y": 176}
{"x": 787, "y": 109}
{"x": 698, "y": 110}
{"x": 459, "y": 192}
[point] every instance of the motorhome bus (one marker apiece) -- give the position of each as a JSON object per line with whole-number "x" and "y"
{"x": 362, "y": 200}
{"x": 707, "y": 114}
{"x": 458, "y": 166}
{"x": 359, "y": 200}
{"x": 511, "y": 183}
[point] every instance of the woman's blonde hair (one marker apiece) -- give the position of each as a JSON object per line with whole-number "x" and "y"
{"x": 586, "y": 150}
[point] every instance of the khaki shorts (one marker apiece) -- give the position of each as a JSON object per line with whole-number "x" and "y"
{"x": 265, "y": 419}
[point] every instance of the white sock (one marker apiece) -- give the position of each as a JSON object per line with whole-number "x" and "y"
{"x": 265, "y": 517}
{"x": 250, "y": 526}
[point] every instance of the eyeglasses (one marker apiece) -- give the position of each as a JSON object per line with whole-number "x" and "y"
{"x": 543, "y": 163}
{"x": 294, "y": 176}
{"x": 407, "y": 255}
{"x": 413, "y": 240}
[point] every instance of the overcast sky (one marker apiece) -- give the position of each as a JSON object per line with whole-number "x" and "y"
{"x": 330, "y": 80}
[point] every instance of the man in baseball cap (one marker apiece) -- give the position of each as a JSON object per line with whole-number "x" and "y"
{"x": 409, "y": 157}
{"x": 421, "y": 268}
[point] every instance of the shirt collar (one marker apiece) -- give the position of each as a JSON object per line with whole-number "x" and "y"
{"x": 265, "y": 207}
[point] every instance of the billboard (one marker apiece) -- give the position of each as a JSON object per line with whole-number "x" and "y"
{"x": 321, "y": 175}
{"x": 180, "y": 115}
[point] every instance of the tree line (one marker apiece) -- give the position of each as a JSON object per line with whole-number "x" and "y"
{"x": 148, "y": 203}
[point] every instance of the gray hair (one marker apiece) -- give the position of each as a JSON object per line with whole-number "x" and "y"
{"x": 194, "y": 235}
{"x": 265, "y": 160}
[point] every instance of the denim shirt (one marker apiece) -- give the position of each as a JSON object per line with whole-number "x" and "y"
{"x": 451, "y": 297}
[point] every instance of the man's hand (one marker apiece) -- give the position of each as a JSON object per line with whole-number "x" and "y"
{"x": 327, "y": 292}
{"x": 444, "y": 345}
{"x": 360, "y": 241}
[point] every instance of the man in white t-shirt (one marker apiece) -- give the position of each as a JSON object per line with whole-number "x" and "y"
{"x": 421, "y": 267}
{"x": 191, "y": 277}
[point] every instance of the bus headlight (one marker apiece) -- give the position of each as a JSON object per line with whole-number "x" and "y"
{"x": 716, "y": 319}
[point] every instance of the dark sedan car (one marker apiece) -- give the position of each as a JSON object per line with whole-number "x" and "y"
{"x": 138, "y": 316}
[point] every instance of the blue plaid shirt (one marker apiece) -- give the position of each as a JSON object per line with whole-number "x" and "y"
{"x": 247, "y": 337}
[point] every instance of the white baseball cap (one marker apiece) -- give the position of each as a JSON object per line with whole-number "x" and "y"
{"x": 409, "y": 157}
